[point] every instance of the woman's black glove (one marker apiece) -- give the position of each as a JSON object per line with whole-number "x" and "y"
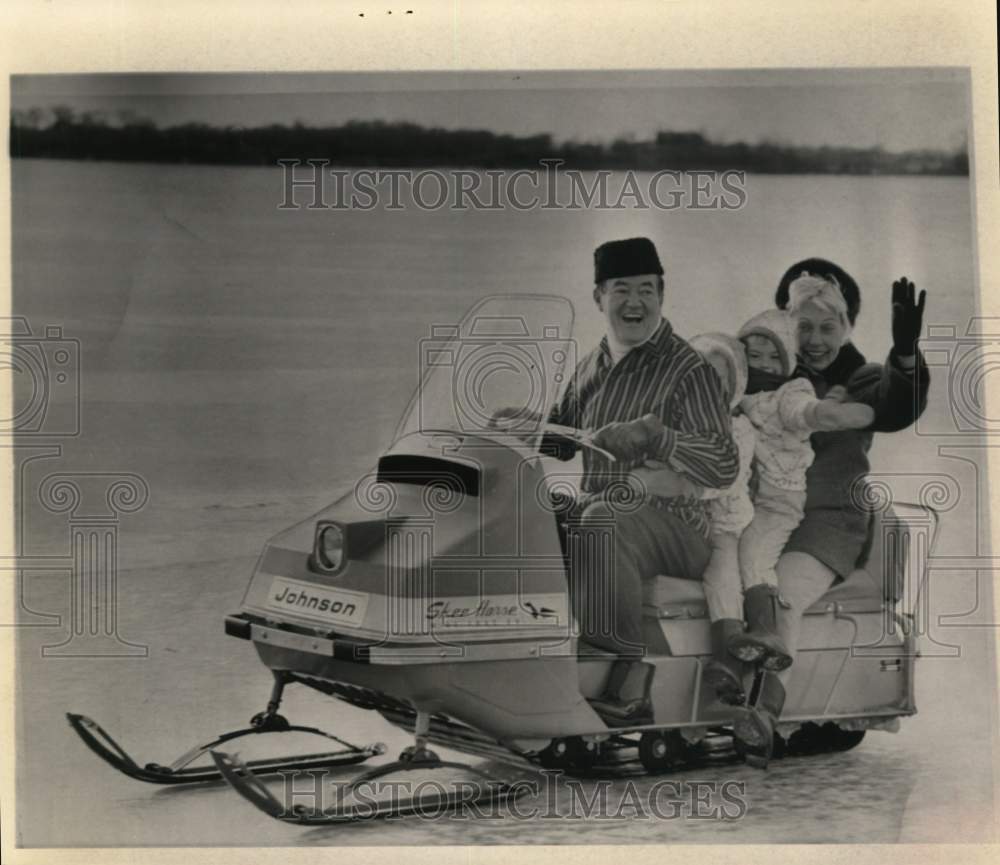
{"x": 907, "y": 317}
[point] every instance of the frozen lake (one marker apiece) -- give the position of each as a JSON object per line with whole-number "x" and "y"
{"x": 249, "y": 363}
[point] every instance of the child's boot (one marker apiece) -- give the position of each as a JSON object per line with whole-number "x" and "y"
{"x": 724, "y": 672}
{"x": 754, "y": 725}
{"x": 761, "y": 642}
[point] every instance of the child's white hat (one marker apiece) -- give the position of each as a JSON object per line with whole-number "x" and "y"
{"x": 732, "y": 352}
{"x": 779, "y": 327}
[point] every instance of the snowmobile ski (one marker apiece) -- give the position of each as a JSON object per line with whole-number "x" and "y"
{"x": 181, "y": 771}
{"x": 489, "y": 791}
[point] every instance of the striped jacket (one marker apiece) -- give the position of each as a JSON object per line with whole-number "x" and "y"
{"x": 666, "y": 377}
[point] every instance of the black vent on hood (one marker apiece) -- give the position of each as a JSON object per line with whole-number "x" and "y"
{"x": 429, "y": 471}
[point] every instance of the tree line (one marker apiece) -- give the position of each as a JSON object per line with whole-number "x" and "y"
{"x": 126, "y": 137}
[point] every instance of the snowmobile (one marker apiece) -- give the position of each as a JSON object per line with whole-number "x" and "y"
{"x": 434, "y": 594}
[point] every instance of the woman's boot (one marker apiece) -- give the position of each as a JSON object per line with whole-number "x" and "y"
{"x": 618, "y": 712}
{"x": 761, "y": 642}
{"x": 754, "y": 725}
{"x": 724, "y": 672}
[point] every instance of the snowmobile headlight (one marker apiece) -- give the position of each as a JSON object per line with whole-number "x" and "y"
{"x": 329, "y": 546}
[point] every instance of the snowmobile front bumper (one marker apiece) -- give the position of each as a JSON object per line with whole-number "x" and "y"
{"x": 247, "y": 627}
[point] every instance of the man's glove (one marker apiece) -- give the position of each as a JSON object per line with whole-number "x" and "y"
{"x": 629, "y": 440}
{"x": 907, "y": 317}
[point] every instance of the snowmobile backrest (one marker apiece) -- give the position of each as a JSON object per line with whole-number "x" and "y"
{"x": 893, "y": 562}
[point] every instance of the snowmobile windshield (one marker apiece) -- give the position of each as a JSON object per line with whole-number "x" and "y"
{"x": 496, "y": 373}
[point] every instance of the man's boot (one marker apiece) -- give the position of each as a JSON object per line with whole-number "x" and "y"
{"x": 724, "y": 672}
{"x": 754, "y": 724}
{"x": 618, "y": 712}
{"x": 761, "y": 642}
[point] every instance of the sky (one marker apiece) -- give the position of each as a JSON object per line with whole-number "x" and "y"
{"x": 893, "y": 109}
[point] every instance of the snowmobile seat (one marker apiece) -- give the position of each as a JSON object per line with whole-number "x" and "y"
{"x": 862, "y": 591}
{"x": 676, "y": 598}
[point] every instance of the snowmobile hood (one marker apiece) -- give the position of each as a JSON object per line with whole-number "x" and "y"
{"x": 416, "y": 475}
{"x": 450, "y": 530}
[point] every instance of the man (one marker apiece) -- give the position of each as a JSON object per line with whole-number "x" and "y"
{"x": 650, "y": 396}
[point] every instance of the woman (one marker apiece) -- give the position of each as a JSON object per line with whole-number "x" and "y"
{"x": 828, "y": 543}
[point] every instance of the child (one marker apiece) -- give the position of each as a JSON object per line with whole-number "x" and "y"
{"x": 784, "y": 412}
{"x": 730, "y": 511}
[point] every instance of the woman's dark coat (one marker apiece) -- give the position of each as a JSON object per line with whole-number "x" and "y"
{"x": 835, "y": 526}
